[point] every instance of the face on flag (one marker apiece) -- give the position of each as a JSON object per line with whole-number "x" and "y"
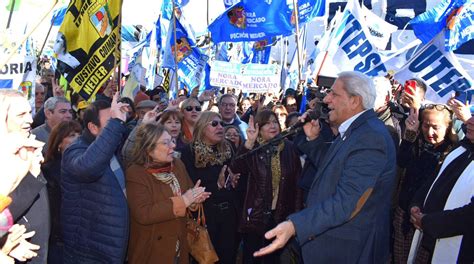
{"x": 181, "y": 50}
{"x": 237, "y": 17}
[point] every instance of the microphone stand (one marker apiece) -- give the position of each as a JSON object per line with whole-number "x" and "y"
{"x": 272, "y": 142}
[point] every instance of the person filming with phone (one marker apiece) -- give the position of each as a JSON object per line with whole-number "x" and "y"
{"x": 413, "y": 94}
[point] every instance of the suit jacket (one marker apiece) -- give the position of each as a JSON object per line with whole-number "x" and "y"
{"x": 347, "y": 214}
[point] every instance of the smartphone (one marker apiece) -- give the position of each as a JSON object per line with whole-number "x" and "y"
{"x": 410, "y": 84}
{"x": 461, "y": 96}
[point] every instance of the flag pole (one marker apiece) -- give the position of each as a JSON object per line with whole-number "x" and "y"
{"x": 208, "y": 32}
{"x": 47, "y": 36}
{"x": 176, "y": 86}
{"x": 12, "y": 7}
{"x": 297, "y": 37}
{"x": 119, "y": 68}
{"x": 18, "y": 44}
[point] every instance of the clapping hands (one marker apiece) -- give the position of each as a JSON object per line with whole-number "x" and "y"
{"x": 196, "y": 194}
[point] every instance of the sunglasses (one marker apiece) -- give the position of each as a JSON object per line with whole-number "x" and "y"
{"x": 215, "y": 123}
{"x": 190, "y": 108}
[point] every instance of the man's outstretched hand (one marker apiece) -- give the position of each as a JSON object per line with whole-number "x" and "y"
{"x": 282, "y": 233}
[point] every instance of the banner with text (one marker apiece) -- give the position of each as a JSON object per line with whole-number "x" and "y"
{"x": 19, "y": 74}
{"x": 251, "y": 78}
{"x": 88, "y": 44}
{"x": 350, "y": 47}
{"x": 440, "y": 70}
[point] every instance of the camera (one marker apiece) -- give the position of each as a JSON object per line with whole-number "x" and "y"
{"x": 321, "y": 110}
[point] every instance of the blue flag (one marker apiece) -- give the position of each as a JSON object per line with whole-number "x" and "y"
{"x": 205, "y": 80}
{"x": 303, "y": 100}
{"x": 222, "y": 51}
{"x": 251, "y": 21}
{"x": 428, "y": 24}
{"x": 246, "y": 54}
{"x": 261, "y": 50}
{"x": 167, "y": 7}
{"x": 58, "y": 16}
{"x": 307, "y": 10}
{"x": 460, "y": 28}
{"x": 152, "y": 49}
{"x": 189, "y": 59}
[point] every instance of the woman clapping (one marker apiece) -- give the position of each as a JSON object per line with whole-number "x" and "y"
{"x": 159, "y": 191}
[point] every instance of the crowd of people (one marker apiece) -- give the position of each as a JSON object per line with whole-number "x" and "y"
{"x": 368, "y": 172}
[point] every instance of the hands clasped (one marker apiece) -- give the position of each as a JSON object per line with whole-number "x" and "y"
{"x": 196, "y": 194}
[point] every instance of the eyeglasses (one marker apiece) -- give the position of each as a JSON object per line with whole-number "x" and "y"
{"x": 215, "y": 123}
{"x": 439, "y": 107}
{"x": 190, "y": 108}
{"x": 168, "y": 142}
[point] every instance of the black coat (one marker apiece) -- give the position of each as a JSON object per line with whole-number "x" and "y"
{"x": 30, "y": 207}
{"x": 258, "y": 200}
{"x": 52, "y": 173}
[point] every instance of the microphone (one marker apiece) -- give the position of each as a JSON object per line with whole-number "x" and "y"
{"x": 312, "y": 115}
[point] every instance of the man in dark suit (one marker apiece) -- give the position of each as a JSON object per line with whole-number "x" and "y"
{"x": 348, "y": 205}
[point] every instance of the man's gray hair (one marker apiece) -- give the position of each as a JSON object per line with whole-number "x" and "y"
{"x": 219, "y": 101}
{"x": 357, "y": 83}
{"x": 52, "y": 102}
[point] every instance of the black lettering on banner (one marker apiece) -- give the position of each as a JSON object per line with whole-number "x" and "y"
{"x": 108, "y": 46}
{"x": 447, "y": 83}
{"x": 88, "y": 68}
{"x": 95, "y": 80}
{"x": 16, "y": 68}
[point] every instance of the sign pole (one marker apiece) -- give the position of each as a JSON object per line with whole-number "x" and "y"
{"x": 175, "y": 50}
{"x": 297, "y": 38}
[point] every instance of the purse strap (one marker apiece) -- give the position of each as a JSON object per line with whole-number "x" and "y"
{"x": 201, "y": 218}
{"x": 201, "y": 215}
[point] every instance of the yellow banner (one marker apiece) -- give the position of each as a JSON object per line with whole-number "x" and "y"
{"x": 88, "y": 44}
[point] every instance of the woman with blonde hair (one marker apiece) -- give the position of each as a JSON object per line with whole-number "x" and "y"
{"x": 206, "y": 160}
{"x": 191, "y": 110}
{"x": 159, "y": 191}
{"x": 425, "y": 144}
{"x": 282, "y": 114}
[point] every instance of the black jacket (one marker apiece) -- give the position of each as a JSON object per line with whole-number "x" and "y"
{"x": 259, "y": 196}
{"x": 30, "y": 207}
